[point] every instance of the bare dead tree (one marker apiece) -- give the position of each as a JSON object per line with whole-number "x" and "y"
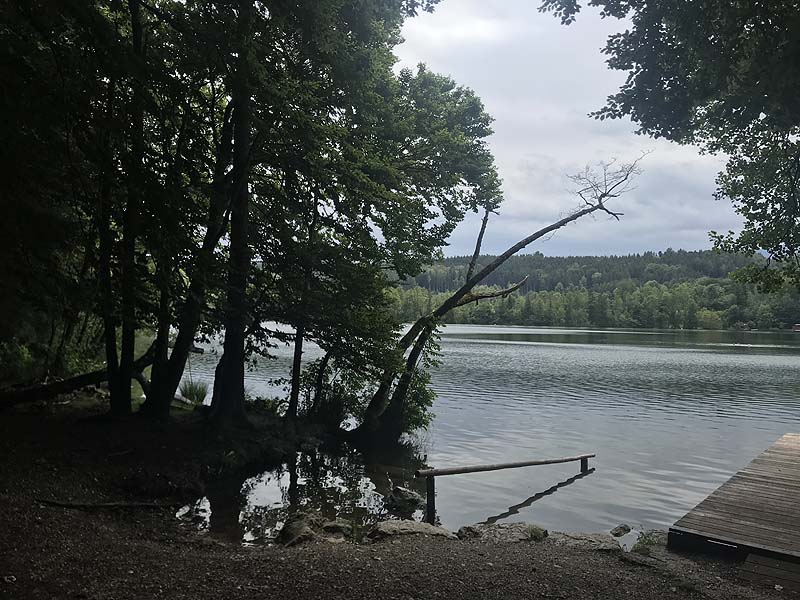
{"x": 595, "y": 186}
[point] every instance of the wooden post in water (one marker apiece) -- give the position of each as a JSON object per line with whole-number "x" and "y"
{"x": 430, "y": 474}
{"x": 430, "y": 511}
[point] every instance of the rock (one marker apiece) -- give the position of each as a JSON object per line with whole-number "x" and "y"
{"x": 403, "y": 501}
{"x": 386, "y": 529}
{"x": 602, "y": 542}
{"x": 503, "y": 533}
{"x": 620, "y": 530}
{"x": 338, "y": 527}
{"x": 300, "y": 527}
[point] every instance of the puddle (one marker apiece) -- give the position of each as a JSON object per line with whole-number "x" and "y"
{"x": 253, "y": 510}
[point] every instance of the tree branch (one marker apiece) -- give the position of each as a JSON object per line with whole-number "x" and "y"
{"x": 478, "y": 244}
{"x": 493, "y": 294}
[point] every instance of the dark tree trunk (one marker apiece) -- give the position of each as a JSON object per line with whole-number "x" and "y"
{"x": 390, "y": 423}
{"x": 161, "y": 344}
{"x": 106, "y": 247}
{"x": 319, "y": 383}
{"x": 294, "y": 394}
{"x": 166, "y": 377}
{"x": 228, "y": 407}
{"x": 130, "y": 225}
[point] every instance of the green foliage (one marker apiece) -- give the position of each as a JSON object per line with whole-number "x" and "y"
{"x": 723, "y": 75}
{"x": 611, "y": 292}
{"x": 194, "y": 391}
{"x": 16, "y": 363}
{"x": 266, "y": 406}
{"x": 136, "y": 130}
{"x": 420, "y": 397}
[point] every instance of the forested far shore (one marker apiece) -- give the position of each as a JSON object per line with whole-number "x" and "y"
{"x": 665, "y": 290}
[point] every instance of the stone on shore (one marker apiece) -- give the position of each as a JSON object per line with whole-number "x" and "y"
{"x": 403, "y": 501}
{"x": 503, "y": 533}
{"x": 602, "y": 542}
{"x": 386, "y": 529}
{"x": 302, "y": 527}
{"x": 620, "y": 530}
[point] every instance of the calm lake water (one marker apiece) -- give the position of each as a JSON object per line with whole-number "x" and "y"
{"x": 670, "y": 414}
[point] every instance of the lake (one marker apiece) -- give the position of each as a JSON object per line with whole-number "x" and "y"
{"x": 670, "y": 414}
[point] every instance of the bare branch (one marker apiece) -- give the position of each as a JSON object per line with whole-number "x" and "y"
{"x": 471, "y": 297}
{"x": 596, "y": 185}
{"x": 478, "y": 244}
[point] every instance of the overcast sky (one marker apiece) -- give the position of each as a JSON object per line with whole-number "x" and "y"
{"x": 539, "y": 79}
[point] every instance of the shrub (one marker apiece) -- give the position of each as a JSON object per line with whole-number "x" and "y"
{"x": 194, "y": 391}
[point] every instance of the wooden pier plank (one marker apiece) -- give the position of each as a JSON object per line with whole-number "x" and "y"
{"x": 757, "y": 511}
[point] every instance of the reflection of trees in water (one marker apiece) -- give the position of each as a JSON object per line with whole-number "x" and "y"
{"x": 348, "y": 486}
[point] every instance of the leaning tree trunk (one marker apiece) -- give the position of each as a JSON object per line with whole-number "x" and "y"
{"x": 391, "y": 423}
{"x": 228, "y": 408}
{"x": 377, "y": 419}
{"x": 319, "y": 387}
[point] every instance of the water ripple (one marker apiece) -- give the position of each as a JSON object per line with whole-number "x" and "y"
{"x": 671, "y": 415}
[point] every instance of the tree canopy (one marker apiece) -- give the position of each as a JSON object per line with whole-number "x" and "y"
{"x": 189, "y": 169}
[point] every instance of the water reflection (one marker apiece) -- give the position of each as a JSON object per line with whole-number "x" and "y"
{"x": 347, "y": 486}
{"x": 514, "y": 510}
{"x": 670, "y": 415}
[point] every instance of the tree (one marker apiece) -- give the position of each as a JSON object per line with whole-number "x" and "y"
{"x": 723, "y": 75}
{"x": 385, "y": 415}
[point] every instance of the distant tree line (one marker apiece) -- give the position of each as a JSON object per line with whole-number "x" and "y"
{"x": 671, "y": 289}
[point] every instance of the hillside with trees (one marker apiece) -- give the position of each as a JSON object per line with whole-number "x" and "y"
{"x": 670, "y": 290}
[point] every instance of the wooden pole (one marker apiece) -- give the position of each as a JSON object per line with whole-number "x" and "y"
{"x": 429, "y": 473}
{"x": 430, "y": 511}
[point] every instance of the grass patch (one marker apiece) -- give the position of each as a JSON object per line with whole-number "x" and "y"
{"x": 194, "y": 391}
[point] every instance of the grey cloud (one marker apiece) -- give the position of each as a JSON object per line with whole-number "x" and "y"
{"x": 539, "y": 80}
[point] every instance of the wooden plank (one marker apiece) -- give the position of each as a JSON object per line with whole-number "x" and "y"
{"x": 782, "y": 522}
{"x": 787, "y": 483}
{"x": 499, "y": 466}
{"x": 765, "y": 494}
{"x": 753, "y": 495}
{"x": 741, "y": 537}
{"x": 734, "y": 524}
{"x": 752, "y": 509}
{"x": 733, "y": 540}
{"x": 758, "y": 508}
{"x": 728, "y": 522}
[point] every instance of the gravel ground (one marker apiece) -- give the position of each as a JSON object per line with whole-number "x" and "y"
{"x": 51, "y": 552}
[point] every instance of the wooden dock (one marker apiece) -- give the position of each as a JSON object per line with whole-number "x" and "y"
{"x": 756, "y": 513}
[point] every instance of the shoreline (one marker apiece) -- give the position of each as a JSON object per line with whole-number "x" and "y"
{"x": 145, "y": 552}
